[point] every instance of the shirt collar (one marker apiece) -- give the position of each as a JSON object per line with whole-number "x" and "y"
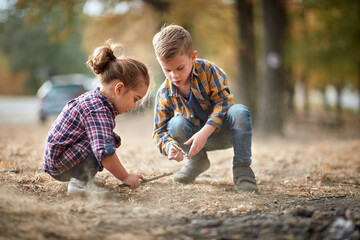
{"x": 174, "y": 91}
{"x": 195, "y": 71}
{"x": 106, "y": 102}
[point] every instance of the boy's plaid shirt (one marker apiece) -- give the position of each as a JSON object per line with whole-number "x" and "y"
{"x": 85, "y": 125}
{"x": 210, "y": 87}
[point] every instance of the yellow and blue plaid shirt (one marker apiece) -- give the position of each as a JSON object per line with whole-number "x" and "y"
{"x": 210, "y": 87}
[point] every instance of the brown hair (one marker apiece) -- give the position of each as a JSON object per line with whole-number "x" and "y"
{"x": 125, "y": 69}
{"x": 171, "y": 41}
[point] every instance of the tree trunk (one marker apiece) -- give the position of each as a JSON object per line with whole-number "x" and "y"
{"x": 325, "y": 100}
{"x": 247, "y": 65}
{"x": 359, "y": 84}
{"x": 306, "y": 104}
{"x": 290, "y": 90}
{"x": 339, "y": 117}
{"x": 271, "y": 105}
{"x": 161, "y": 6}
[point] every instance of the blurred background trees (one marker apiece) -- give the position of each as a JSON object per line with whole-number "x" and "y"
{"x": 271, "y": 50}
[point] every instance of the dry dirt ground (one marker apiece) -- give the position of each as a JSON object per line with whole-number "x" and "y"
{"x": 308, "y": 180}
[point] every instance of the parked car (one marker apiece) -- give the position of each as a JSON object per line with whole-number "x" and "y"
{"x": 55, "y": 93}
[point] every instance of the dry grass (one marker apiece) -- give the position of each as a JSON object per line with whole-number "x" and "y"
{"x": 289, "y": 170}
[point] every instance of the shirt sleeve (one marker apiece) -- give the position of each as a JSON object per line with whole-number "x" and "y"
{"x": 220, "y": 96}
{"x": 99, "y": 127}
{"x": 162, "y": 114}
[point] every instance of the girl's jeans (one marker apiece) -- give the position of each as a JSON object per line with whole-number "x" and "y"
{"x": 236, "y": 131}
{"x": 84, "y": 171}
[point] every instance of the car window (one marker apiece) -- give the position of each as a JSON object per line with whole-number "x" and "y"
{"x": 65, "y": 92}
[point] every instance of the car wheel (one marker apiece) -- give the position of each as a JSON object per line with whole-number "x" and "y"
{"x": 42, "y": 117}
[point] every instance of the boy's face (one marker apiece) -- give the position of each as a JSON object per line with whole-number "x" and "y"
{"x": 178, "y": 68}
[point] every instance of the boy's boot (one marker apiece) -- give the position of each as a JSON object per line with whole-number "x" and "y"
{"x": 191, "y": 170}
{"x": 76, "y": 188}
{"x": 244, "y": 178}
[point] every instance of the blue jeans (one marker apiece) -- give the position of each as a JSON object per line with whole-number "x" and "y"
{"x": 236, "y": 132}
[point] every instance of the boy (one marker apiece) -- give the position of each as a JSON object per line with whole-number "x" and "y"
{"x": 194, "y": 111}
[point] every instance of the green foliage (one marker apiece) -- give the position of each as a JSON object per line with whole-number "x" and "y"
{"x": 328, "y": 41}
{"x": 29, "y": 48}
{"x": 61, "y": 17}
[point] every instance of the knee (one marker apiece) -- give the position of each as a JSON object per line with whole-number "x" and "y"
{"x": 239, "y": 116}
{"x": 178, "y": 128}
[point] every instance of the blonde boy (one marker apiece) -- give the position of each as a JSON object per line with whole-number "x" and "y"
{"x": 194, "y": 110}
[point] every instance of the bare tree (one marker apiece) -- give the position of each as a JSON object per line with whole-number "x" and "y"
{"x": 271, "y": 107}
{"x": 247, "y": 59}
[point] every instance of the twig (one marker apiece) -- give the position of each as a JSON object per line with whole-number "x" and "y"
{"x": 150, "y": 179}
{"x": 20, "y": 170}
{"x": 180, "y": 149}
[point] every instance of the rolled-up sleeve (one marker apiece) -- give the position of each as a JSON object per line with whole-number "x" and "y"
{"x": 163, "y": 113}
{"x": 221, "y": 99}
{"x": 99, "y": 127}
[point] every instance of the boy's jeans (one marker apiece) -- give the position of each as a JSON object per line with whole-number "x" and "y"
{"x": 236, "y": 131}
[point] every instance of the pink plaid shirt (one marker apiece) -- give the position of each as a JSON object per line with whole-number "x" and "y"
{"x": 85, "y": 125}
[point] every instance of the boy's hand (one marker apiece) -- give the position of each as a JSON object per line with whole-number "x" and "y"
{"x": 175, "y": 153}
{"x": 133, "y": 180}
{"x": 197, "y": 141}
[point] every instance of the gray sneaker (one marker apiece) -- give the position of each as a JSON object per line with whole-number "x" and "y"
{"x": 191, "y": 170}
{"x": 244, "y": 178}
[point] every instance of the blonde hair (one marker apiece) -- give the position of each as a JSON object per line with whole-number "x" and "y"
{"x": 171, "y": 41}
{"x": 128, "y": 70}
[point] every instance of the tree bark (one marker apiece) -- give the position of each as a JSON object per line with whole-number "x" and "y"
{"x": 306, "y": 109}
{"x": 339, "y": 117}
{"x": 247, "y": 63}
{"x": 271, "y": 103}
{"x": 359, "y": 84}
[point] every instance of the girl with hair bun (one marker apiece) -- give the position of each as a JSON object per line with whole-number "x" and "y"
{"x": 82, "y": 140}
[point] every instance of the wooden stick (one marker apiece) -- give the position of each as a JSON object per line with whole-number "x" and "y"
{"x": 150, "y": 179}
{"x": 180, "y": 149}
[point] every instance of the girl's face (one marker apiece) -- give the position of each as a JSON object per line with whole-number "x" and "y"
{"x": 178, "y": 69}
{"x": 125, "y": 100}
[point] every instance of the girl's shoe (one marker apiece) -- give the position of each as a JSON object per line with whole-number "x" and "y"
{"x": 82, "y": 188}
{"x": 93, "y": 190}
{"x": 76, "y": 188}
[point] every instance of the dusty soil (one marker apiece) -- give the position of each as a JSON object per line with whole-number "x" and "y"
{"x": 308, "y": 180}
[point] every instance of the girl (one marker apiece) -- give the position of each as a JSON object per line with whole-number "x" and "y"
{"x": 81, "y": 141}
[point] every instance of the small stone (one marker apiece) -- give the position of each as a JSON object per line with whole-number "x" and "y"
{"x": 206, "y": 223}
{"x": 205, "y": 231}
{"x": 320, "y": 217}
{"x": 303, "y": 212}
{"x": 340, "y": 211}
{"x": 348, "y": 214}
{"x": 291, "y": 223}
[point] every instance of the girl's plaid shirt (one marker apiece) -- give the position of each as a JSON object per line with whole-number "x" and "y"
{"x": 210, "y": 87}
{"x": 85, "y": 125}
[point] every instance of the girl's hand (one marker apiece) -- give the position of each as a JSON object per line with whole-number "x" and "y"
{"x": 133, "y": 180}
{"x": 175, "y": 153}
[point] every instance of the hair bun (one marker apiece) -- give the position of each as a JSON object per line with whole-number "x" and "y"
{"x": 100, "y": 59}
